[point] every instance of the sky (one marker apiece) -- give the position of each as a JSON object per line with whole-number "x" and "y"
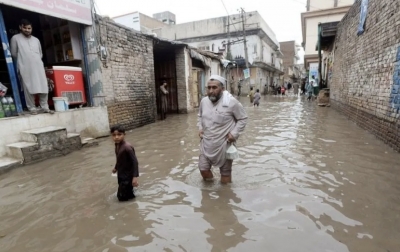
{"x": 283, "y": 16}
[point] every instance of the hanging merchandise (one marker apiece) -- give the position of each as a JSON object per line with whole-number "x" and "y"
{"x": 6, "y": 107}
{"x": 363, "y": 17}
{"x": 3, "y": 90}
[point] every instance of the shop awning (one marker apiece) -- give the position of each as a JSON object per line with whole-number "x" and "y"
{"x": 78, "y": 11}
{"x": 195, "y": 55}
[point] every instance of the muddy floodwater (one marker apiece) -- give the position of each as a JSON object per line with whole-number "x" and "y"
{"x": 307, "y": 180}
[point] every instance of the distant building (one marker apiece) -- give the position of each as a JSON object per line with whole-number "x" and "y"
{"x": 139, "y": 22}
{"x": 290, "y": 59}
{"x": 264, "y": 56}
{"x": 319, "y": 11}
{"x": 166, "y": 17}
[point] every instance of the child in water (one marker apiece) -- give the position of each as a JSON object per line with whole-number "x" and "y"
{"x": 127, "y": 166}
{"x": 257, "y": 98}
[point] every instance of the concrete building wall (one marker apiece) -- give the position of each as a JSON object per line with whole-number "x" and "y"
{"x": 128, "y": 76}
{"x": 89, "y": 122}
{"x": 150, "y": 23}
{"x": 214, "y": 26}
{"x": 183, "y": 63}
{"x": 328, "y": 4}
{"x": 257, "y": 49}
{"x": 139, "y": 22}
{"x": 131, "y": 20}
{"x": 312, "y": 30}
{"x": 366, "y": 72}
{"x": 345, "y": 2}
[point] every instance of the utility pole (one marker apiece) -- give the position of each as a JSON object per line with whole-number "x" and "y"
{"x": 246, "y": 56}
{"x": 229, "y": 40}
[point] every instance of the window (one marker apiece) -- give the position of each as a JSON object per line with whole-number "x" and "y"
{"x": 272, "y": 58}
{"x": 255, "y": 48}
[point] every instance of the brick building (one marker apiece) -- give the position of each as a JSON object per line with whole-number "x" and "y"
{"x": 366, "y": 70}
{"x": 127, "y": 79}
{"x": 290, "y": 57}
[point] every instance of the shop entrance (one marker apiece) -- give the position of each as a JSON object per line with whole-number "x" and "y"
{"x": 61, "y": 45}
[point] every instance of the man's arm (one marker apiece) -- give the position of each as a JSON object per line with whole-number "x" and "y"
{"x": 164, "y": 90}
{"x": 241, "y": 120}
{"x": 199, "y": 117}
{"x": 132, "y": 157}
{"x": 14, "y": 48}
{"x": 40, "y": 49}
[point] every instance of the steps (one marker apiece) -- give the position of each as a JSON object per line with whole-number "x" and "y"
{"x": 43, "y": 143}
{"x": 7, "y": 163}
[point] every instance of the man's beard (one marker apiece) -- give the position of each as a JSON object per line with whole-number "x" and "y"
{"x": 215, "y": 98}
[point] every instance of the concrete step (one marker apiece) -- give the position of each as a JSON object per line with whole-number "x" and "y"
{"x": 7, "y": 163}
{"x": 72, "y": 135}
{"x": 44, "y": 135}
{"x": 88, "y": 141}
{"x": 17, "y": 150}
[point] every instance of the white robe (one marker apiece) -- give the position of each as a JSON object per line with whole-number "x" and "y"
{"x": 217, "y": 120}
{"x": 28, "y": 54}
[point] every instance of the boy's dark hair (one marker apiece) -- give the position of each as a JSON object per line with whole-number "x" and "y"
{"x": 25, "y": 22}
{"x": 118, "y": 128}
{"x": 258, "y": 90}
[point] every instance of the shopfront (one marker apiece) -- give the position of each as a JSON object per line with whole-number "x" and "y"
{"x": 59, "y": 27}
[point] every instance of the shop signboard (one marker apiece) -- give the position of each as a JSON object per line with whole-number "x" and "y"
{"x": 73, "y": 10}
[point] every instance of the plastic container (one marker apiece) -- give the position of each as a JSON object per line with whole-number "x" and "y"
{"x": 60, "y": 103}
{"x": 6, "y": 107}
{"x": 13, "y": 109}
{"x": 2, "y": 113}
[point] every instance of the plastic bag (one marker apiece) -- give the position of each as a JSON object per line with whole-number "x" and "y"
{"x": 232, "y": 153}
{"x": 3, "y": 90}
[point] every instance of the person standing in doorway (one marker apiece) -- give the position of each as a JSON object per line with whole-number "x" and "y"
{"x": 164, "y": 100}
{"x": 221, "y": 120}
{"x": 27, "y": 53}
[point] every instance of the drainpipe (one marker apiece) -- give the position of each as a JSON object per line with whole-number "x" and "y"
{"x": 319, "y": 55}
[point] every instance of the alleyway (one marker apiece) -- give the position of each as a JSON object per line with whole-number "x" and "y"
{"x": 308, "y": 180}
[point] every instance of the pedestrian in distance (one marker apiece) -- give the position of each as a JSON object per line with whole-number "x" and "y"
{"x": 309, "y": 91}
{"x": 126, "y": 167}
{"x": 296, "y": 89}
{"x": 251, "y": 95}
{"x": 221, "y": 120}
{"x": 283, "y": 90}
{"x": 257, "y": 98}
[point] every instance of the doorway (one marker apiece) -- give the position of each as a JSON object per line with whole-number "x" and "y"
{"x": 165, "y": 70}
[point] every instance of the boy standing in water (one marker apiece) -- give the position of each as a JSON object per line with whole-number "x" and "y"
{"x": 257, "y": 98}
{"x": 127, "y": 166}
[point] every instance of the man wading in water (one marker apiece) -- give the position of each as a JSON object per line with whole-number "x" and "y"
{"x": 221, "y": 121}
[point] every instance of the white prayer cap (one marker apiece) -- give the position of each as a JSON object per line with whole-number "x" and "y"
{"x": 218, "y": 78}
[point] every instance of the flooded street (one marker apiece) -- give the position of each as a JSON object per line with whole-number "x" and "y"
{"x": 307, "y": 180}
